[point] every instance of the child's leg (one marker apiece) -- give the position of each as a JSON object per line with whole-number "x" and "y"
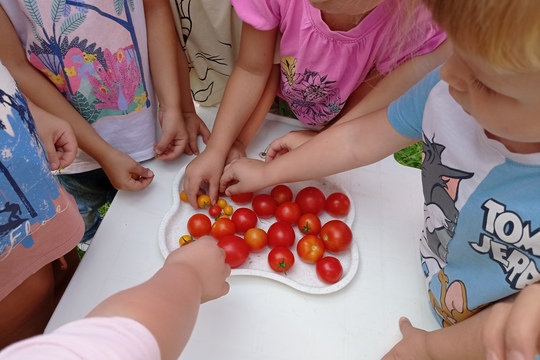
{"x": 91, "y": 190}
{"x": 27, "y": 309}
{"x": 62, "y": 276}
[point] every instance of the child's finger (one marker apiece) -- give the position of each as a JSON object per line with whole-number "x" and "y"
{"x": 523, "y": 325}
{"x": 405, "y": 325}
{"x": 54, "y": 161}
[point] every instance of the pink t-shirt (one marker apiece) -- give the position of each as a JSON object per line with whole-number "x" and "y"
{"x": 90, "y": 338}
{"x": 320, "y": 67}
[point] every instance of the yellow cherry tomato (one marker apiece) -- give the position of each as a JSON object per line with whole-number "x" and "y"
{"x": 183, "y": 196}
{"x": 222, "y": 203}
{"x": 222, "y": 216}
{"x": 185, "y": 239}
{"x": 203, "y": 201}
{"x": 228, "y": 210}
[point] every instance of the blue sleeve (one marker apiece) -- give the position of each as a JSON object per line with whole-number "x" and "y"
{"x": 407, "y": 112}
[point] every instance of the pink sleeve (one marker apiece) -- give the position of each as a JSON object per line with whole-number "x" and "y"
{"x": 261, "y": 14}
{"x": 89, "y": 338}
{"x": 424, "y": 37}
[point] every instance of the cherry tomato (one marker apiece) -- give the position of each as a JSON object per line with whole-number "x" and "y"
{"x": 337, "y": 204}
{"x": 337, "y": 236}
{"x": 199, "y": 225}
{"x": 185, "y": 239}
{"x": 281, "y": 193}
{"x": 222, "y": 203}
{"x": 281, "y": 259}
{"x": 236, "y": 250}
{"x": 222, "y": 227}
{"x": 244, "y": 219}
{"x": 203, "y": 201}
{"x": 256, "y": 239}
{"x": 214, "y": 211}
{"x": 329, "y": 270}
{"x": 280, "y": 233}
{"x": 183, "y": 196}
{"x": 288, "y": 211}
{"x": 241, "y": 199}
{"x": 264, "y": 206}
{"x": 311, "y": 200}
{"x": 310, "y": 249}
{"x": 228, "y": 210}
{"x": 309, "y": 224}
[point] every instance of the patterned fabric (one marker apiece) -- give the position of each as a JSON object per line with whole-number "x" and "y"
{"x": 39, "y": 221}
{"x": 106, "y": 78}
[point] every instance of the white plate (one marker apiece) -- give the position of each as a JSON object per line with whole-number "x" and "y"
{"x": 301, "y": 276}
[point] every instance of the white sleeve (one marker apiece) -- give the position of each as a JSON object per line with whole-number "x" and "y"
{"x": 90, "y": 338}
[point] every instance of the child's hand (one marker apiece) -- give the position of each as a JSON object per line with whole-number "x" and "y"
{"x": 287, "y": 143}
{"x": 174, "y": 138}
{"x": 207, "y": 167}
{"x": 58, "y": 139}
{"x": 243, "y": 175}
{"x": 208, "y": 262}
{"x": 125, "y": 173}
{"x": 412, "y": 346}
{"x": 513, "y": 325}
{"x": 195, "y": 127}
{"x": 238, "y": 151}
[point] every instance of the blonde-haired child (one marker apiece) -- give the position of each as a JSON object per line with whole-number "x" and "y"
{"x": 332, "y": 53}
{"x": 478, "y": 119}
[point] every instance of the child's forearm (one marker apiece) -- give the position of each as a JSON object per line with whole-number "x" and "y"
{"x": 167, "y": 305}
{"x": 162, "y": 52}
{"x": 396, "y": 83}
{"x": 261, "y": 110}
{"x": 245, "y": 86}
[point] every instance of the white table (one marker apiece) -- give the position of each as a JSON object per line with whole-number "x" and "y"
{"x": 261, "y": 318}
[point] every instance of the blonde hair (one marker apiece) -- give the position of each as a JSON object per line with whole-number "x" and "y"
{"x": 503, "y": 33}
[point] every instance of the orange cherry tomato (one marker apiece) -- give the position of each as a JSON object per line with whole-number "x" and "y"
{"x": 256, "y": 239}
{"x": 310, "y": 248}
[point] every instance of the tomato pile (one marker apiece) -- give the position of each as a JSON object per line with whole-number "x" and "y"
{"x": 239, "y": 231}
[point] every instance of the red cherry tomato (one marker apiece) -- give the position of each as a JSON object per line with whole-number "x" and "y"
{"x": 244, "y": 219}
{"x": 243, "y": 198}
{"x": 289, "y": 212}
{"x": 256, "y": 239}
{"x": 281, "y": 259}
{"x": 264, "y": 206}
{"x": 214, "y": 211}
{"x": 280, "y": 233}
{"x": 311, "y": 200}
{"x": 337, "y": 204}
{"x": 281, "y": 193}
{"x": 310, "y": 249}
{"x": 337, "y": 236}
{"x": 309, "y": 224}
{"x": 199, "y": 225}
{"x": 329, "y": 270}
{"x": 236, "y": 250}
{"x": 222, "y": 227}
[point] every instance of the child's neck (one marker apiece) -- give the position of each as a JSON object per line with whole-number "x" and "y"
{"x": 342, "y": 22}
{"x": 514, "y": 146}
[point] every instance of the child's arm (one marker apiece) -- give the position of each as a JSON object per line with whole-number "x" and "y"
{"x": 123, "y": 172}
{"x": 56, "y": 135}
{"x": 256, "y": 119}
{"x": 194, "y": 124}
{"x": 168, "y": 303}
{"x": 374, "y": 95}
{"x": 513, "y": 326}
{"x": 510, "y": 326}
{"x": 342, "y": 147}
{"x": 163, "y": 58}
{"x": 242, "y": 94}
